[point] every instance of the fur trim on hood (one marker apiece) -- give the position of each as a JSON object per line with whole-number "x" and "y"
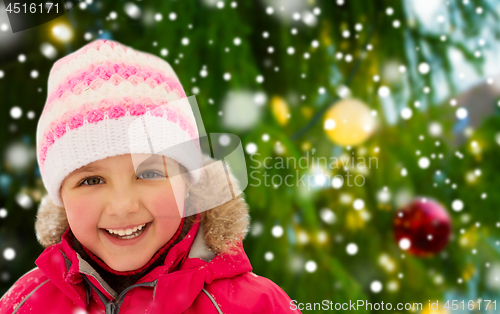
{"x": 224, "y": 225}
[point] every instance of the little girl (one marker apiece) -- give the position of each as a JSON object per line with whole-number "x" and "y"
{"x": 133, "y": 222}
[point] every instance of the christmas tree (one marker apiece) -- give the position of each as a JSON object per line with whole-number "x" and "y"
{"x": 372, "y": 173}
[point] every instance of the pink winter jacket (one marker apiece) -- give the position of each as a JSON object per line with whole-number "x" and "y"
{"x": 63, "y": 282}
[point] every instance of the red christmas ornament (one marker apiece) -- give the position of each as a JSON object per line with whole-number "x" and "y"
{"x": 423, "y": 227}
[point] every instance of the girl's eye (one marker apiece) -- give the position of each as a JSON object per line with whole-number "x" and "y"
{"x": 147, "y": 175}
{"x": 91, "y": 181}
{"x": 151, "y": 175}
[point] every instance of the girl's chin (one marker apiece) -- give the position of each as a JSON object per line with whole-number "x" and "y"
{"x": 128, "y": 267}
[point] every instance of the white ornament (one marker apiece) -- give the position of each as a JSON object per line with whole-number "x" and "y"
{"x": 242, "y": 109}
{"x": 277, "y": 231}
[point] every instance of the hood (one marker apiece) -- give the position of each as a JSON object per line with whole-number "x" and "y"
{"x": 189, "y": 266}
{"x": 224, "y": 226}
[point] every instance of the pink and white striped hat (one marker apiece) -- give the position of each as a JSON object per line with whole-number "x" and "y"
{"x": 96, "y": 97}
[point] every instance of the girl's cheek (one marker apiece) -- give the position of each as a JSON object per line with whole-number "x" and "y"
{"x": 165, "y": 205}
{"x": 167, "y": 199}
{"x": 81, "y": 213}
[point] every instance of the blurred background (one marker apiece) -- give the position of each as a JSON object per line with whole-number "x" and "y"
{"x": 411, "y": 86}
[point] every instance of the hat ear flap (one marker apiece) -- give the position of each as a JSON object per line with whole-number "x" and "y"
{"x": 51, "y": 222}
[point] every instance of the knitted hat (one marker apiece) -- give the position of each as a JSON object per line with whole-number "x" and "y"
{"x": 107, "y": 99}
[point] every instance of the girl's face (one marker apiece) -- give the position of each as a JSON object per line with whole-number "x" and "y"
{"x": 111, "y": 194}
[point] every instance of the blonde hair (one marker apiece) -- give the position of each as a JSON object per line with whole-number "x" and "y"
{"x": 225, "y": 225}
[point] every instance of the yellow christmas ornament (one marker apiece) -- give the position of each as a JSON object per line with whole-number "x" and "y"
{"x": 354, "y": 220}
{"x": 326, "y": 36}
{"x": 349, "y": 122}
{"x": 306, "y": 146}
{"x": 280, "y": 110}
{"x": 468, "y": 272}
{"x": 440, "y": 309}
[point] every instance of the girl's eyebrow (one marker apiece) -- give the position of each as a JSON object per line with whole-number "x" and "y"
{"x": 146, "y": 163}
{"x": 152, "y": 161}
{"x": 89, "y": 169}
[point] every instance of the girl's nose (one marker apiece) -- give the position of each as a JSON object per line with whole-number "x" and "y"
{"x": 122, "y": 202}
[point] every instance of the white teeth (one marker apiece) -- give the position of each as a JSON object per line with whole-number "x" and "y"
{"x": 122, "y": 232}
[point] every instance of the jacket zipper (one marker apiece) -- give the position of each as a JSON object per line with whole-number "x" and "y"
{"x": 113, "y": 307}
{"x": 121, "y": 297}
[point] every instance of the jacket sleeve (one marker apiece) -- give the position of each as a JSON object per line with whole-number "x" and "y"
{"x": 22, "y": 289}
{"x": 272, "y": 299}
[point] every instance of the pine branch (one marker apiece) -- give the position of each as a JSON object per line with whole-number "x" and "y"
{"x": 347, "y": 82}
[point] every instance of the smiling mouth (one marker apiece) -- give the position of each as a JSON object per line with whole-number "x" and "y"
{"x": 134, "y": 234}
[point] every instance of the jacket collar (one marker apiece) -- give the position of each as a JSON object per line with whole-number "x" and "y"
{"x": 189, "y": 261}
